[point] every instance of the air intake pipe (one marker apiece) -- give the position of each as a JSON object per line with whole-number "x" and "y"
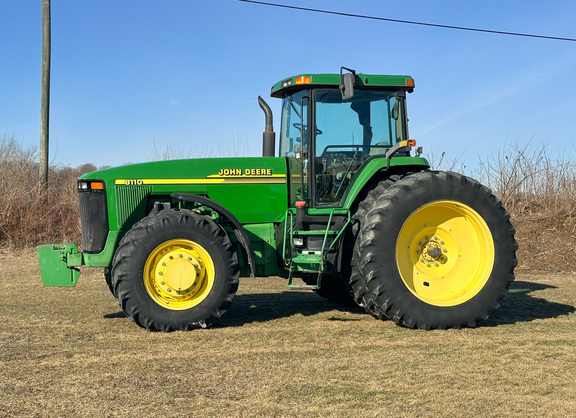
{"x": 268, "y": 136}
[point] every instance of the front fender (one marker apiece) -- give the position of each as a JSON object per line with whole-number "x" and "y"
{"x": 239, "y": 230}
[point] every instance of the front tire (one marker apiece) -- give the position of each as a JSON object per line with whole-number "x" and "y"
{"x": 175, "y": 270}
{"x": 437, "y": 250}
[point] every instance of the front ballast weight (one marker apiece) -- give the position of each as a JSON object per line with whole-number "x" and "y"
{"x": 58, "y": 264}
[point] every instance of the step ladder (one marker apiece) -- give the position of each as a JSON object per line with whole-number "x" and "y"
{"x": 310, "y": 261}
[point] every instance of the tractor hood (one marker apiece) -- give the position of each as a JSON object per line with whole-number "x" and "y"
{"x": 252, "y": 188}
{"x": 205, "y": 171}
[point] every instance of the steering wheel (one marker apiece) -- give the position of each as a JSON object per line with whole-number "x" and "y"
{"x": 299, "y": 127}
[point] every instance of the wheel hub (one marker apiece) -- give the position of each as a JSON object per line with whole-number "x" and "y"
{"x": 432, "y": 251}
{"x": 179, "y": 274}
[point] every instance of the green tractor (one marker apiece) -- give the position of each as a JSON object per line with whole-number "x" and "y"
{"x": 347, "y": 206}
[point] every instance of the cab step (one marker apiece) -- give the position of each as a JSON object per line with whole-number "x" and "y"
{"x": 306, "y": 261}
{"x": 303, "y": 287}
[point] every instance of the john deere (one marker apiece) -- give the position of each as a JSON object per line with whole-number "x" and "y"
{"x": 346, "y": 205}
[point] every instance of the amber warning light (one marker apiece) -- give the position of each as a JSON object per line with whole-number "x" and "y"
{"x": 302, "y": 80}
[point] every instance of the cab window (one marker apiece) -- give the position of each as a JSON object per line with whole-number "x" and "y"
{"x": 348, "y": 133}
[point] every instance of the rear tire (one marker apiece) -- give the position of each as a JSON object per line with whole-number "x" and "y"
{"x": 350, "y": 271}
{"x": 175, "y": 270}
{"x": 108, "y": 278}
{"x": 437, "y": 250}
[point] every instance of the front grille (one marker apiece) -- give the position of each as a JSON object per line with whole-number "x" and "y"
{"x": 131, "y": 203}
{"x": 94, "y": 220}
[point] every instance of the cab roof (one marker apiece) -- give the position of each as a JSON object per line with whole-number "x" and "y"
{"x": 303, "y": 81}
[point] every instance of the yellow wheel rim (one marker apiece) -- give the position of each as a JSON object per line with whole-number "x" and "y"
{"x": 179, "y": 274}
{"x": 445, "y": 253}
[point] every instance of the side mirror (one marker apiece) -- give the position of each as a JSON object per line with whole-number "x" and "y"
{"x": 347, "y": 86}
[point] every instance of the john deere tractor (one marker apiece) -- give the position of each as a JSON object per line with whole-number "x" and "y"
{"x": 347, "y": 205}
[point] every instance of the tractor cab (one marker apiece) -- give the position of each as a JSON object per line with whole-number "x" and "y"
{"x": 332, "y": 125}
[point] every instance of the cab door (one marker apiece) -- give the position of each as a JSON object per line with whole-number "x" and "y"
{"x": 347, "y": 134}
{"x": 295, "y": 144}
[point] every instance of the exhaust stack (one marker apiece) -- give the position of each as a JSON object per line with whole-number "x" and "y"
{"x": 268, "y": 136}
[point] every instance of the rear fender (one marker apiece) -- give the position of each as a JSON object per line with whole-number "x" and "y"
{"x": 381, "y": 167}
